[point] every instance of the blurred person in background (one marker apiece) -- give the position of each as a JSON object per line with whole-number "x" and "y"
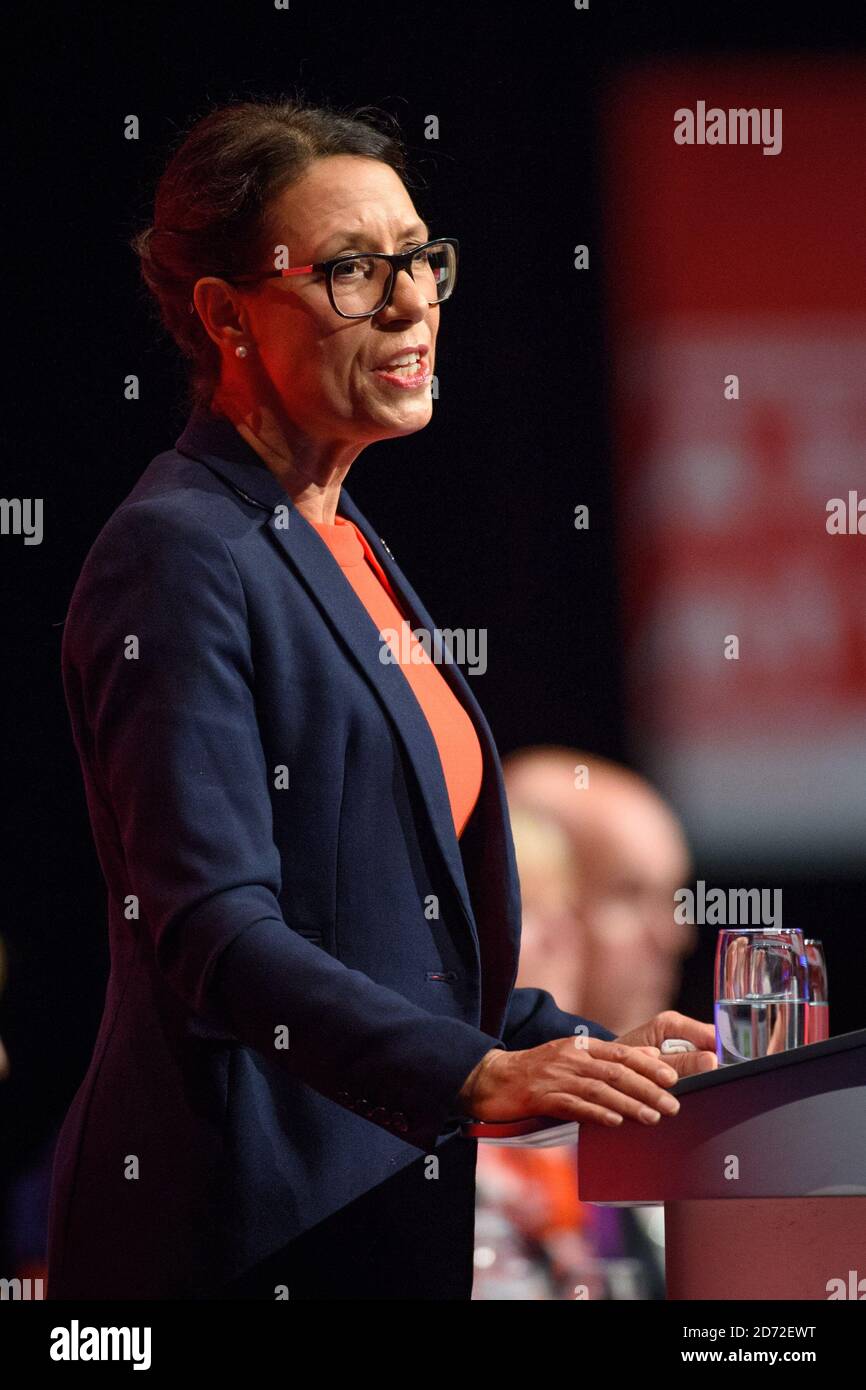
{"x": 633, "y": 855}
{"x": 551, "y": 944}
{"x": 528, "y": 1226}
{"x": 599, "y": 856}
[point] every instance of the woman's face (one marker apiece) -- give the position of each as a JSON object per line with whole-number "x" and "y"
{"x": 321, "y": 370}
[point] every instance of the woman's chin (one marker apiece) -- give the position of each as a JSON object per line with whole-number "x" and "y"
{"x": 403, "y": 417}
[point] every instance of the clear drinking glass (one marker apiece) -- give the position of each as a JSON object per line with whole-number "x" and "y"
{"x": 761, "y": 992}
{"x": 818, "y": 1012}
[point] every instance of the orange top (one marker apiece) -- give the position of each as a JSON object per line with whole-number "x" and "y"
{"x": 537, "y": 1187}
{"x": 451, "y": 726}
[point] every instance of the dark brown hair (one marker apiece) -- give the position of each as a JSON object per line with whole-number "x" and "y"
{"x": 213, "y": 202}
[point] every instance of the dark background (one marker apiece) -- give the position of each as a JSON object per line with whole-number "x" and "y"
{"x": 472, "y": 507}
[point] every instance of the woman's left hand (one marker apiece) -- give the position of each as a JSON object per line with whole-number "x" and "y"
{"x": 673, "y": 1025}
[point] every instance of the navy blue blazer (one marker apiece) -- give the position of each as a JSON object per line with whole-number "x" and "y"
{"x": 306, "y": 963}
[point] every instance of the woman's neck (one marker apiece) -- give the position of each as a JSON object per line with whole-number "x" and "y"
{"x": 310, "y": 471}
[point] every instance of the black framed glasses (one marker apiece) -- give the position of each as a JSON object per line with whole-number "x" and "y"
{"x": 361, "y": 284}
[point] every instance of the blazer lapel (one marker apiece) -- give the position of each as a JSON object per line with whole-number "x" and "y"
{"x": 215, "y": 442}
{"x": 486, "y": 846}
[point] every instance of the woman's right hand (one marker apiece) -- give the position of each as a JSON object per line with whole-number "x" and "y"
{"x": 582, "y": 1079}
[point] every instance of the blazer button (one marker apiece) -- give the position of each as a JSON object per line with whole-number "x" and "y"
{"x": 399, "y": 1121}
{"x": 342, "y": 1097}
{"x": 379, "y": 1116}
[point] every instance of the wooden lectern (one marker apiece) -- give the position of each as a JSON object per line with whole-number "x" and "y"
{"x": 762, "y": 1175}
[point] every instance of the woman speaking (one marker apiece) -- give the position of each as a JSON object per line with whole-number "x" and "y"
{"x": 312, "y": 895}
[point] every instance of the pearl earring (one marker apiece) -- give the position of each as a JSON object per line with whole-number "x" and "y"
{"x": 240, "y": 350}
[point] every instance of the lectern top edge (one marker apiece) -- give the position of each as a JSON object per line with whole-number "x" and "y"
{"x": 793, "y": 1056}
